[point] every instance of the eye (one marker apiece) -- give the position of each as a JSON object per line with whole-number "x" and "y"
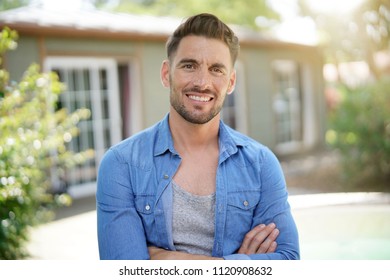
{"x": 188, "y": 66}
{"x": 217, "y": 70}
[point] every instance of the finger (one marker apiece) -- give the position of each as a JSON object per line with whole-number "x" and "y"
{"x": 261, "y": 242}
{"x": 272, "y": 248}
{"x": 267, "y": 244}
{"x": 254, "y": 239}
{"x": 249, "y": 237}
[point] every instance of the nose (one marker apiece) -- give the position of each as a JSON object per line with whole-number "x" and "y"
{"x": 202, "y": 78}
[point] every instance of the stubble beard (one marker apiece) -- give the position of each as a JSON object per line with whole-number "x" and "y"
{"x": 194, "y": 115}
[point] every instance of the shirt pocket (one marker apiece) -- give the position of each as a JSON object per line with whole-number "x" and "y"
{"x": 240, "y": 211}
{"x": 145, "y": 205}
{"x": 244, "y": 201}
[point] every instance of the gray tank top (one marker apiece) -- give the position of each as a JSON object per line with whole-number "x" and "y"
{"x": 193, "y": 222}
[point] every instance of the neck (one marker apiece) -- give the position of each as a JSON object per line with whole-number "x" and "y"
{"x": 189, "y": 137}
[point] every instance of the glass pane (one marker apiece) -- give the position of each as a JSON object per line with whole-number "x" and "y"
{"x": 76, "y": 96}
{"x": 287, "y": 102}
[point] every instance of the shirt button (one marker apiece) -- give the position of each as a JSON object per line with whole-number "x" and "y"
{"x": 147, "y": 207}
{"x": 246, "y": 203}
{"x": 166, "y": 176}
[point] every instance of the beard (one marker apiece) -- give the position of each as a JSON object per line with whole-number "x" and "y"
{"x": 194, "y": 115}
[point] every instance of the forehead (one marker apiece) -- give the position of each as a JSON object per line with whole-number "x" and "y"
{"x": 202, "y": 48}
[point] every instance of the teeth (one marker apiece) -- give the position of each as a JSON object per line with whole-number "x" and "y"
{"x": 200, "y": 98}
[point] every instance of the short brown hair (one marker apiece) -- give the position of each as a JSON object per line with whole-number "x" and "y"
{"x": 206, "y": 25}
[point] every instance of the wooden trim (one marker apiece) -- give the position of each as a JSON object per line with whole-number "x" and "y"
{"x": 71, "y": 32}
{"x": 41, "y": 50}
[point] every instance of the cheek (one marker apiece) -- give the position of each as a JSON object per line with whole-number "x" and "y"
{"x": 223, "y": 86}
{"x": 180, "y": 80}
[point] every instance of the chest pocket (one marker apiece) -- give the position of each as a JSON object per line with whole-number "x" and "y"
{"x": 243, "y": 201}
{"x": 240, "y": 211}
{"x": 145, "y": 205}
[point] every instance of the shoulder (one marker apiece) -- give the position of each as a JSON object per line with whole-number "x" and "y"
{"x": 245, "y": 141}
{"x": 135, "y": 147}
{"x": 249, "y": 148}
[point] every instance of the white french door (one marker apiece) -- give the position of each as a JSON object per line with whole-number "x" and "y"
{"x": 91, "y": 83}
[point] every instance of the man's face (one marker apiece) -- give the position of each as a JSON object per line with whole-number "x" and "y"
{"x": 199, "y": 75}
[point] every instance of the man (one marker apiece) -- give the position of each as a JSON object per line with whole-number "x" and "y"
{"x": 190, "y": 187}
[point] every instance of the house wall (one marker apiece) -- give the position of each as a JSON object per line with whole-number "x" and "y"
{"x": 155, "y": 96}
{"x": 259, "y": 99}
{"x": 17, "y": 61}
{"x": 258, "y": 69}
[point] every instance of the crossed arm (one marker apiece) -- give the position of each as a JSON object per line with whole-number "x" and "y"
{"x": 259, "y": 240}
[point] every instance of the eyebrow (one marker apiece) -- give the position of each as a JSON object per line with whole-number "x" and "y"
{"x": 194, "y": 61}
{"x": 187, "y": 60}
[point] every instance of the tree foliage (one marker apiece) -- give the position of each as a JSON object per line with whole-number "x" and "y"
{"x": 12, "y": 4}
{"x": 355, "y": 36}
{"x": 360, "y": 131}
{"x": 32, "y": 148}
{"x": 359, "y": 126}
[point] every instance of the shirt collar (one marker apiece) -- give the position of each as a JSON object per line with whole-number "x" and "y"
{"x": 228, "y": 138}
{"x": 164, "y": 140}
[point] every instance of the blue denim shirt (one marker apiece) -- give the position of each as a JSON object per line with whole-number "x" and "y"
{"x": 134, "y": 196}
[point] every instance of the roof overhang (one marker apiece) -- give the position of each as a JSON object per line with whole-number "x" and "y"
{"x": 95, "y": 24}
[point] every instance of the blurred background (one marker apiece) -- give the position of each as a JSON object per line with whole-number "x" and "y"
{"x": 79, "y": 76}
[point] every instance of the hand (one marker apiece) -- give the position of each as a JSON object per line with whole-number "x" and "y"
{"x": 260, "y": 240}
{"x": 162, "y": 254}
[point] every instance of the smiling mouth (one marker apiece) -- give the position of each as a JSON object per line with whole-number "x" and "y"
{"x": 199, "y": 98}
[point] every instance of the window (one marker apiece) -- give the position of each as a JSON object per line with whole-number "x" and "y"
{"x": 91, "y": 83}
{"x": 287, "y": 105}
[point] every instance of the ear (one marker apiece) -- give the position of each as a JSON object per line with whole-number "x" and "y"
{"x": 232, "y": 82}
{"x": 164, "y": 73}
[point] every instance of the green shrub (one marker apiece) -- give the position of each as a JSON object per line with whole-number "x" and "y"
{"x": 360, "y": 130}
{"x": 32, "y": 146}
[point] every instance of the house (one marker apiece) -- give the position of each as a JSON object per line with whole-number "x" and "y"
{"x": 110, "y": 63}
